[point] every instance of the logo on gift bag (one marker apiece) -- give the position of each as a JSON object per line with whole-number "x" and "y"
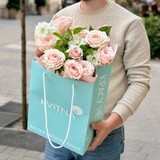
{"x": 78, "y": 111}
{"x": 100, "y": 97}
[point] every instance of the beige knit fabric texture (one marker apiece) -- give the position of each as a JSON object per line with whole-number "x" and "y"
{"x": 130, "y": 78}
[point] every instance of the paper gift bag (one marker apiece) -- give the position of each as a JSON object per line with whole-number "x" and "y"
{"x": 62, "y": 109}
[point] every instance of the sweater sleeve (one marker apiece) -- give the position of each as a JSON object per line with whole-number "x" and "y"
{"x": 136, "y": 60}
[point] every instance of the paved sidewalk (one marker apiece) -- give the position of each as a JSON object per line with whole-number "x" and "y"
{"x": 142, "y": 129}
{"x": 11, "y": 153}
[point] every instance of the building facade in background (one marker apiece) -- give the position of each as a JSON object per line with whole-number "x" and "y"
{"x": 30, "y": 7}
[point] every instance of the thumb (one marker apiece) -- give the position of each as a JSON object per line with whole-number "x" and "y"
{"x": 95, "y": 125}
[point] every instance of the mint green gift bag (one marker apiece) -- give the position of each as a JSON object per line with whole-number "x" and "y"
{"x": 62, "y": 109}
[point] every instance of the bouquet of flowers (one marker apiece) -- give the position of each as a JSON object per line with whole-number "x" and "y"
{"x": 73, "y": 52}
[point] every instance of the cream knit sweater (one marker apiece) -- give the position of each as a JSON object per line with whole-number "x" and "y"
{"x": 130, "y": 73}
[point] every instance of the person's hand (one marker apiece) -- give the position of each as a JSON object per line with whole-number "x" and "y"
{"x": 102, "y": 132}
{"x": 38, "y": 53}
{"x": 103, "y": 129}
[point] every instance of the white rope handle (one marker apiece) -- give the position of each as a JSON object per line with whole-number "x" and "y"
{"x": 45, "y": 111}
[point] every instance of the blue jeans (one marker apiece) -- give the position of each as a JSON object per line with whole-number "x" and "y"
{"x": 110, "y": 149}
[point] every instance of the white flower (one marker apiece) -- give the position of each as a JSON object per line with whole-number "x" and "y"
{"x": 77, "y": 40}
{"x": 93, "y": 59}
{"x": 43, "y": 29}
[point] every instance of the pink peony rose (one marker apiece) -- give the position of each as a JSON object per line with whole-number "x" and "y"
{"x": 63, "y": 23}
{"x": 75, "y": 52}
{"x": 45, "y": 43}
{"x": 106, "y": 54}
{"x": 88, "y": 68}
{"x": 96, "y": 38}
{"x": 72, "y": 69}
{"x": 53, "y": 59}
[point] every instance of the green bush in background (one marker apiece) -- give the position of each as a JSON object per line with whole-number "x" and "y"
{"x": 13, "y": 4}
{"x": 152, "y": 24}
{"x": 132, "y": 6}
{"x": 123, "y": 3}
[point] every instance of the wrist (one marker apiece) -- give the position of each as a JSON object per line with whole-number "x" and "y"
{"x": 113, "y": 121}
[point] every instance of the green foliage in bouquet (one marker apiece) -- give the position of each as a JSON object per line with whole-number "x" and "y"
{"x": 63, "y": 43}
{"x": 40, "y": 2}
{"x": 152, "y": 24}
{"x": 13, "y": 4}
{"x": 73, "y": 52}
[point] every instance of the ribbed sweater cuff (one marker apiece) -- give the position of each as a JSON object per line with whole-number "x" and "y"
{"x": 123, "y": 111}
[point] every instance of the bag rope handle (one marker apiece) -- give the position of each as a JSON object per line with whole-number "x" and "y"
{"x": 45, "y": 111}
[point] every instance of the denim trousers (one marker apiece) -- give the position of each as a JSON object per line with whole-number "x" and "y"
{"x": 110, "y": 149}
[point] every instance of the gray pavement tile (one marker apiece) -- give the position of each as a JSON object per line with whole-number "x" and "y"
{"x": 12, "y": 107}
{"x": 134, "y": 156}
{"x": 2, "y": 148}
{"x": 40, "y": 156}
{"x": 11, "y": 153}
{"x": 8, "y": 118}
{"x": 9, "y": 150}
{"x": 4, "y": 99}
{"x": 154, "y": 157}
{"x": 20, "y": 151}
{"x": 16, "y": 157}
{"x": 132, "y": 146}
{"x": 30, "y": 158}
{"x": 32, "y": 153}
{"x": 140, "y": 150}
{"x": 4, "y": 156}
{"x": 22, "y": 139}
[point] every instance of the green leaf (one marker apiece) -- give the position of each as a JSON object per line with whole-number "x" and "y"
{"x": 85, "y": 54}
{"x": 58, "y": 71}
{"x": 95, "y": 48}
{"x": 91, "y": 28}
{"x": 58, "y": 44}
{"x": 67, "y": 55}
{"x": 83, "y": 47}
{"x": 89, "y": 51}
{"x": 61, "y": 46}
{"x": 105, "y": 29}
{"x": 58, "y": 35}
{"x": 78, "y": 30}
{"x": 69, "y": 32}
{"x": 66, "y": 38}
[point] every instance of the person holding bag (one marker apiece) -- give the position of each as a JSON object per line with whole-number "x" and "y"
{"x": 130, "y": 77}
